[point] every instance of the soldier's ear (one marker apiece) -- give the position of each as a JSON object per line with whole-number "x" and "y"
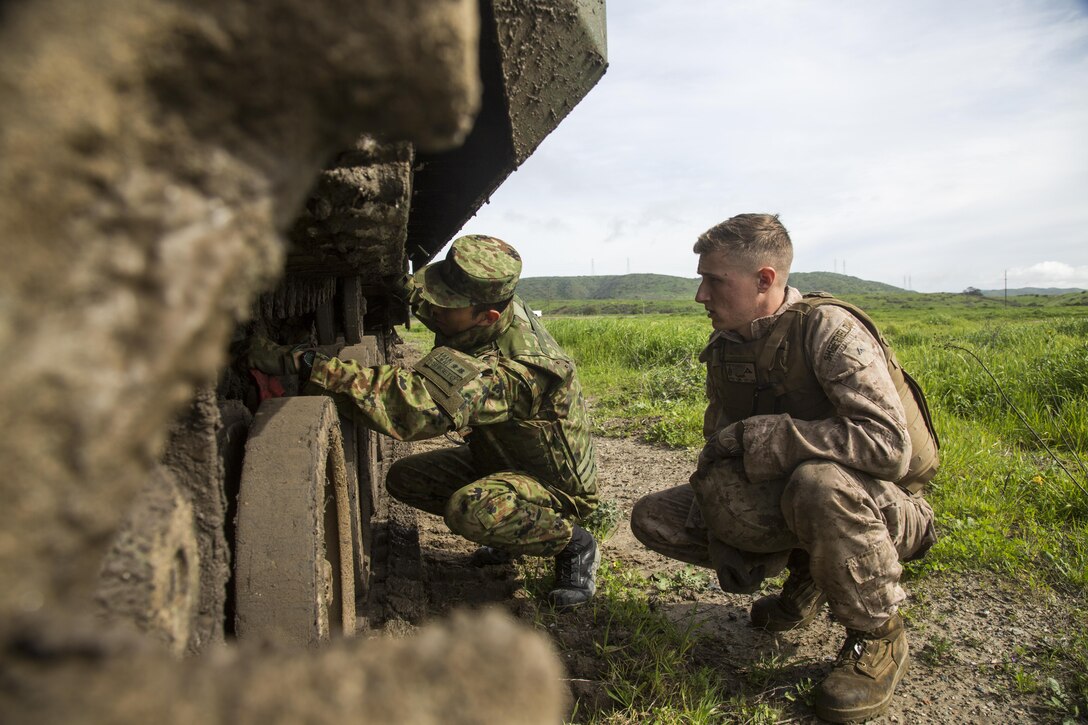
{"x": 487, "y": 317}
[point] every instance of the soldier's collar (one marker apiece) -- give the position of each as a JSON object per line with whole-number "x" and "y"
{"x": 762, "y": 326}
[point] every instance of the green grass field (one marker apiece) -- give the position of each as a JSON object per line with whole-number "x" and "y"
{"x": 1011, "y": 493}
{"x": 1012, "y": 487}
{"x": 1010, "y": 496}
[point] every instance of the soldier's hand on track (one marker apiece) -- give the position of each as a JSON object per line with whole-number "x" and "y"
{"x": 268, "y": 357}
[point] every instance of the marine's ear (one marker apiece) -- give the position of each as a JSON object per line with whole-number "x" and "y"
{"x": 765, "y": 277}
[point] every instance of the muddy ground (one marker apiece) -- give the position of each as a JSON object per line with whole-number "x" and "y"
{"x": 967, "y": 633}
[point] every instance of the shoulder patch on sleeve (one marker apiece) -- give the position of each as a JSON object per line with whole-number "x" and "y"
{"x": 445, "y": 372}
{"x": 849, "y": 348}
{"x": 837, "y": 341}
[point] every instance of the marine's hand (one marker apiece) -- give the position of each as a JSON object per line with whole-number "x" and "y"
{"x": 726, "y": 443}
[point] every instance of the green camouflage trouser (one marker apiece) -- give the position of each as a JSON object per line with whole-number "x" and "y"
{"x": 510, "y": 511}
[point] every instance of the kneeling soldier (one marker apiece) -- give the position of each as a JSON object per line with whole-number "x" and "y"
{"x": 528, "y": 473}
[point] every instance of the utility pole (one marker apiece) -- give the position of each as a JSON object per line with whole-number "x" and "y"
{"x": 1006, "y": 288}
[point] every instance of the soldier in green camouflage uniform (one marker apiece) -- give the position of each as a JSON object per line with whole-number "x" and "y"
{"x": 528, "y": 472}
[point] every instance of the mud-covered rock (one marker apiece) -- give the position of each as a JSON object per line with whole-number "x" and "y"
{"x": 478, "y": 668}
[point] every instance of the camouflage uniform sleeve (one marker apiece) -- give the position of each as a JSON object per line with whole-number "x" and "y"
{"x": 405, "y": 404}
{"x": 869, "y": 432}
{"x": 390, "y": 399}
{"x": 508, "y": 390}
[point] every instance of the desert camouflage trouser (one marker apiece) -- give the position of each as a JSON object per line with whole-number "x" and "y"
{"x": 508, "y": 510}
{"x": 855, "y": 528}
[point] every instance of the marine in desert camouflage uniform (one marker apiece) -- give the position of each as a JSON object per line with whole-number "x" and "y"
{"x": 528, "y": 472}
{"x": 807, "y": 438}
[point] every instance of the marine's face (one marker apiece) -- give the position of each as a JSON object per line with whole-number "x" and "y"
{"x": 729, "y": 291}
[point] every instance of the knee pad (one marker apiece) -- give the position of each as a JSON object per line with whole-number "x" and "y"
{"x": 812, "y": 487}
{"x": 742, "y": 572}
{"x": 743, "y": 514}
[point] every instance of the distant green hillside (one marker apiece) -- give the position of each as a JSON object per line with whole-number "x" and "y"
{"x": 838, "y": 284}
{"x": 608, "y": 287}
{"x": 877, "y": 304}
{"x": 665, "y": 287}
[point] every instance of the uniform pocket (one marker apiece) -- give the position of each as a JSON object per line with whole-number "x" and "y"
{"x": 875, "y": 574}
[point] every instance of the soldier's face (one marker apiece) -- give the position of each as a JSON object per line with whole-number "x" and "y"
{"x": 729, "y": 291}
{"x": 454, "y": 320}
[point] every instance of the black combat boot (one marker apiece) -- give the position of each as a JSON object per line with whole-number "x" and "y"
{"x": 797, "y": 605}
{"x": 869, "y": 666}
{"x": 575, "y": 569}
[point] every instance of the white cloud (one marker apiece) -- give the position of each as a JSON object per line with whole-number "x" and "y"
{"x": 1049, "y": 274}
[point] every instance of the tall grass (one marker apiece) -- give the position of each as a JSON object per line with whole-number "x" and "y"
{"x": 1010, "y": 496}
{"x": 641, "y": 370}
{"x": 1008, "y": 389}
{"x": 1011, "y": 493}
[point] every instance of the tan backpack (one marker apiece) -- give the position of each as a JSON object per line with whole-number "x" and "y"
{"x": 924, "y": 459}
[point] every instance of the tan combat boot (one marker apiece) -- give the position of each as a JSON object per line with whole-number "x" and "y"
{"x": 869, "y": 666}
{"x": 797, "y": 605}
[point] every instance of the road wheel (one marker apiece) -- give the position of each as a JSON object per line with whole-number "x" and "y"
{"x": 235, "y": 422}
{"x": 294, "y": 578}
{"x": 360, "y": 446}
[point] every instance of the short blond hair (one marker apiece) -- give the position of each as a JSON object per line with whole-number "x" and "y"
{"x": 761, "y": 238}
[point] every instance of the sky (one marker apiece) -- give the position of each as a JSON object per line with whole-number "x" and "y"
{"x": 928, "y": 144}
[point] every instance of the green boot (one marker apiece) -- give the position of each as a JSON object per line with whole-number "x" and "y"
{"x": 869, "y": 666}
{"x": 797, "y": 605}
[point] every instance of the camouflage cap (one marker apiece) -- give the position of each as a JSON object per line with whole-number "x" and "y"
{"x": 477, "y": 269}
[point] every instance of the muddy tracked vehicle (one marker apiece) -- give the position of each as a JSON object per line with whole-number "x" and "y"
{"x": 267, "y": 516}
